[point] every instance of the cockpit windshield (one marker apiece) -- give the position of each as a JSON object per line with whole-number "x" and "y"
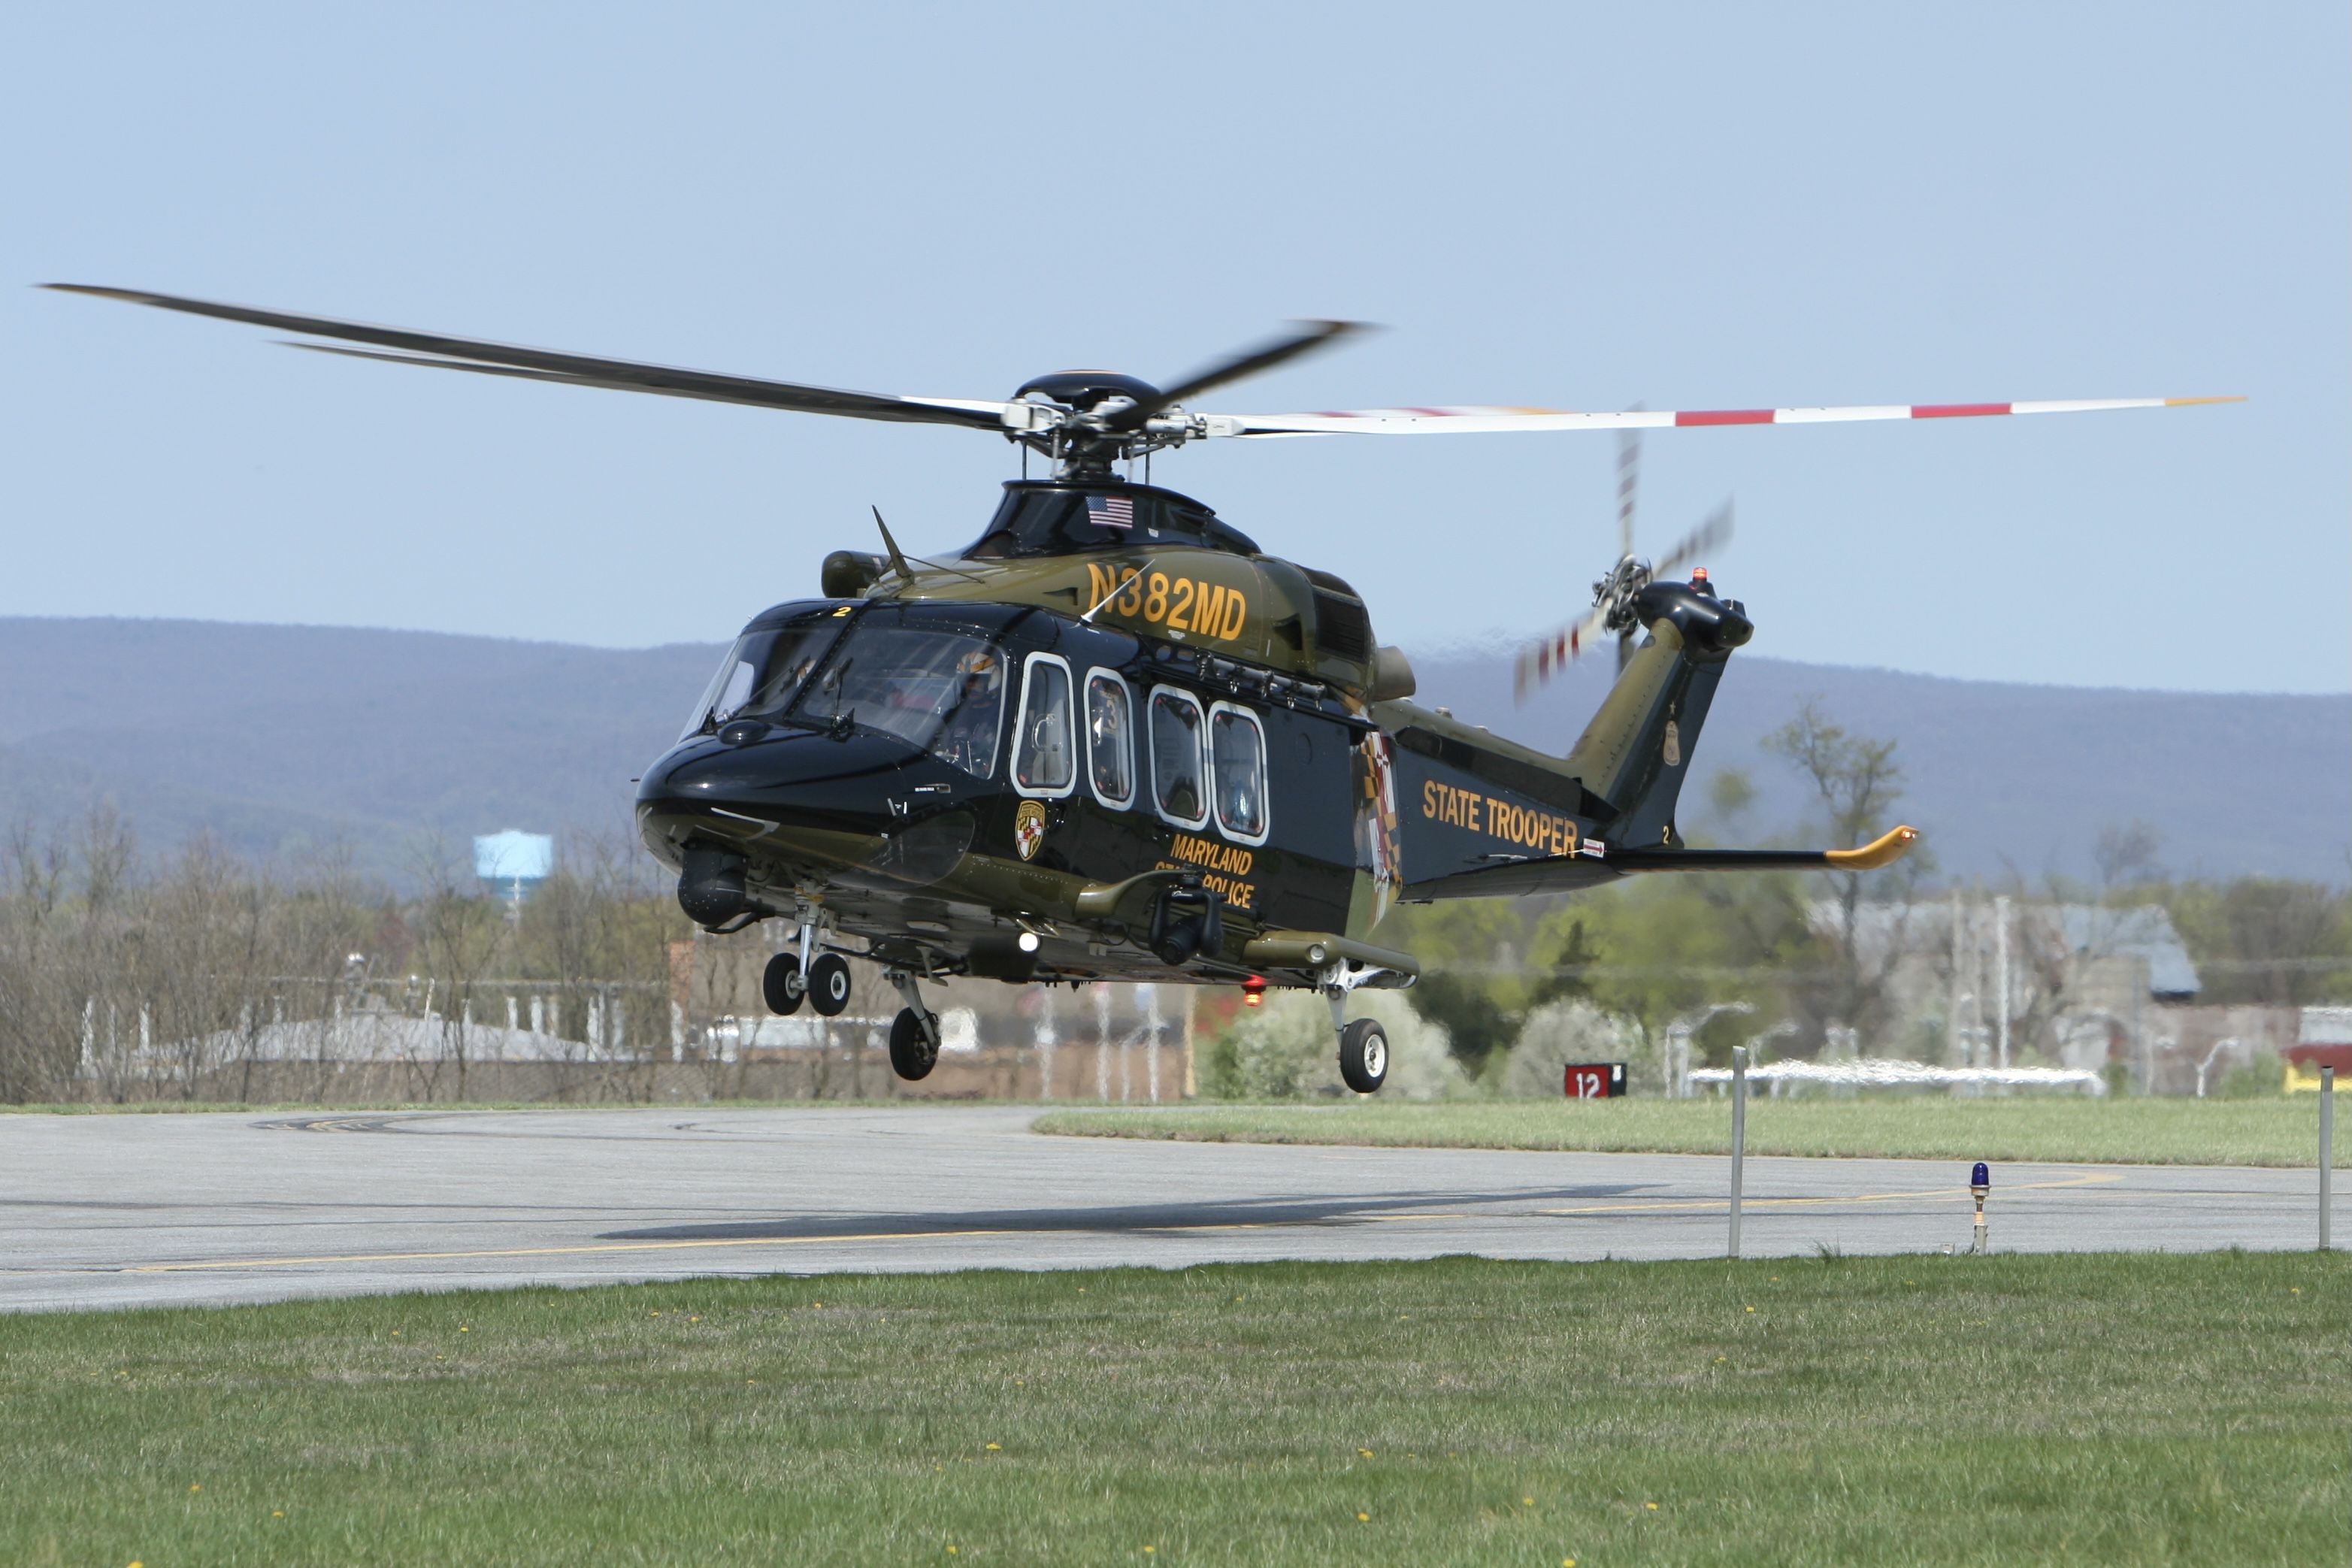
{"x": 938, "y": 689}
{"x": 763, "y": 672}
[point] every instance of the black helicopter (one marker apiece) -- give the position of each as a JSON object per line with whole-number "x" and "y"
{"x": 1112, "y": 738}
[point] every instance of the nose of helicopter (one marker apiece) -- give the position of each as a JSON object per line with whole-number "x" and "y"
{"x": 788, "y": 777}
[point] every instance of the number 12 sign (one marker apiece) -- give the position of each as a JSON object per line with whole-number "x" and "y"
{"x": 1595, "y": 1080}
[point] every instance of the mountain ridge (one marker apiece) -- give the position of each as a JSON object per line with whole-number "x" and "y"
{"x": 279, "y": 738}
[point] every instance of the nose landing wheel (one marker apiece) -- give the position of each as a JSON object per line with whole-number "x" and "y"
{"x": 828, "y": 984}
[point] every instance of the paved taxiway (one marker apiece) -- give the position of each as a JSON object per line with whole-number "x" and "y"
{"x": 118, "y": 1211}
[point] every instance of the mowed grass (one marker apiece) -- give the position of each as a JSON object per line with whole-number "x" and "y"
{"x": 2098, "y": 1409}
{"x": 2284, "y": 1131}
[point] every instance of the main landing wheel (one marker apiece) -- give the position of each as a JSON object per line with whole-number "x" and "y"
{"x": 913, "y": 1047}
{"x": 1364, "y": 1055}
{"x": 828, "y": 983}
{"x": 780, "y": 987}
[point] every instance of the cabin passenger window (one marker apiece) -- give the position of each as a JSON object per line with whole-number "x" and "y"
{"x": 1110, "y": 746}
{"x": 1237, "y": 764}
{"x": 1045, "y": 755}
{"x": 1177, "y": 771}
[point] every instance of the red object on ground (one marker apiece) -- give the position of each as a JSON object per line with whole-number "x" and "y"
{"x": 1594, "y": 1081}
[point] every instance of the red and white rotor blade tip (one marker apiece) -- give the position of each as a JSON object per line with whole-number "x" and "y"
{"x": 1542, "y": 659}
{"x": 1477, "y": 420}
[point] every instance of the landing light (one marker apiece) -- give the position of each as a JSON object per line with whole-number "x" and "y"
{"x": 1027, "y": 941}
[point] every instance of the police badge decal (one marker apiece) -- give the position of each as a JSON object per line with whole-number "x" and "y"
{"x": 1029, "y": 828}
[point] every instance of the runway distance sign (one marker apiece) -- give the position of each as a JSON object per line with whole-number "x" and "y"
{"x": 1595, "y": 1080}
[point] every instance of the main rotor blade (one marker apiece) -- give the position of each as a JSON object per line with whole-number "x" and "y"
{"x": 1308, "y": 337}
{"x": 442, "y": 351}
{"x": 1629, "y": 484}
{"x": 1488, "y": 420}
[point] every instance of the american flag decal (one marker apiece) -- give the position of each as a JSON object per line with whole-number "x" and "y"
{"x": 1111, "y": 511}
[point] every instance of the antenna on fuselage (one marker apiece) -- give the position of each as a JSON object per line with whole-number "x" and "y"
{"x": 898, "y": 561}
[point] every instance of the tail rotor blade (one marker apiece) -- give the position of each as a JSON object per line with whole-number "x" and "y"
{"x": 1629, "y": 485}
{"x": 1704, "y": 540}
{"x": 1547, "y": 656}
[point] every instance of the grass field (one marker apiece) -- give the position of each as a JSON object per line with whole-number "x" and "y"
{"x": 2283, "y": 1132}
{"x": 2101, "y": 1409}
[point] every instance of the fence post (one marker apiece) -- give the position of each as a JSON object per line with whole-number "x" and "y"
{"x": 2326, "y": 1150}
{"x": 1739, "y": 1136}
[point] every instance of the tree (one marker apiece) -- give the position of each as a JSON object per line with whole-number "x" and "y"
{"x": 1472, "y": 984}
{"x": 1856, "y": 781}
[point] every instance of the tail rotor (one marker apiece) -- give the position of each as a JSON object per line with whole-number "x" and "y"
{"x": 1613, "y": 609}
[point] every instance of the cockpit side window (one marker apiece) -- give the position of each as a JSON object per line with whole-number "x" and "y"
{"x": 763, "y": 672}
{"x": 1111, "y": 739}
{"x": 1178, "y": 780}
{"x": 1044, "y": 751}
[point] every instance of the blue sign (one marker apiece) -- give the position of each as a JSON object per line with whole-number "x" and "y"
{"x": 1981, "y": 1176}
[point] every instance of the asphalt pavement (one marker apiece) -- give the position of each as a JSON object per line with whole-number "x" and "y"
{"x": 215, "y": 1208}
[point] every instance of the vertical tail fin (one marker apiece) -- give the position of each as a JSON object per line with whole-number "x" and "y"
{"x": 1637, "y": 750}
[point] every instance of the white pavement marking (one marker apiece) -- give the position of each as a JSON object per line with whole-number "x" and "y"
{"x": 120, "y": 1211}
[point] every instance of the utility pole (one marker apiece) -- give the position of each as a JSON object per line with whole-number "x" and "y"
{"x": 1954, "y": 1051}
{"x": 2000, "y": 974}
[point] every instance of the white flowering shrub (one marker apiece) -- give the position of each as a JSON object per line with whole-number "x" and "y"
{"x": 1286, "y": 1049}
{"x": 1559, "y": 1033}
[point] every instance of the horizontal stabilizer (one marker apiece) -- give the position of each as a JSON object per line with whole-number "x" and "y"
{"x": 1885, "y": 850}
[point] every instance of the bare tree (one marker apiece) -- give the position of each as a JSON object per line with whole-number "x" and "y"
{"x": 1856, "y": 781}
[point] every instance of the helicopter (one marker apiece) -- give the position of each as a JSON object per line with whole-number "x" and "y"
{"x": 1112, "y": 738}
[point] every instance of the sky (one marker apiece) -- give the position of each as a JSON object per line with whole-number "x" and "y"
{"x": 1571, "y": 206}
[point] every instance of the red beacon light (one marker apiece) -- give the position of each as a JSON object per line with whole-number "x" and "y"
{"x": 1254, "y": 991}
{"x": 1699, "y": 573}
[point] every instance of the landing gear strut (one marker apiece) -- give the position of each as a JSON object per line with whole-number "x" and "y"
{"x": 1364, "y": 1044}
{"x": 914, "y": 1032}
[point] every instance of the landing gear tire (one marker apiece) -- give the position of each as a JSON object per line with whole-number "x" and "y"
{"x": 1363, "y": 1055}
{"x": 828, "y": 984}
{"x": 914, "y": 1051}
{"x": 781, "y": 986}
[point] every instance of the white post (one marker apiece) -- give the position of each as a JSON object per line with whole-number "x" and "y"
{"x": 1049, "y": 1034}
{"x": 1739, "y": 1136}
{"x": 1152, "y": 1040}
{"x": 1102, "y": 1042}
{"x": 2000, "y": 982}
{"x": 2326, "y": 1150}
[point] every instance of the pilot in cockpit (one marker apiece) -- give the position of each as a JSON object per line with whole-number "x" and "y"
{"x": 968, "y": 738}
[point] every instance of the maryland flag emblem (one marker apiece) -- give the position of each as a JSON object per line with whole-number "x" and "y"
{"x": 1029, "y": 828}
